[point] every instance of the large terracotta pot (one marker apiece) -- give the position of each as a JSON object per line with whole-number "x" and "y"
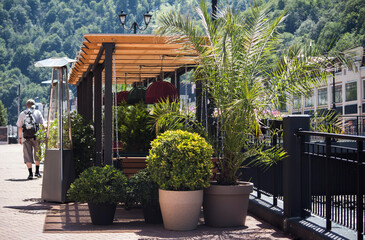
{"x": 180, "y": 209}
{"x": 226, "y": 205}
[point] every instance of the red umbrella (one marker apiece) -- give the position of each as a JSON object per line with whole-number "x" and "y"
{"x": 121, "y": 96}
{"x": 160, "y": 91}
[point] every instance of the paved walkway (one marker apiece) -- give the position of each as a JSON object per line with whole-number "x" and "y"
{"x": 23, "y": 214}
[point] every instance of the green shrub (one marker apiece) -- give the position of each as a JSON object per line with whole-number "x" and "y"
{"x": 181, "y": 161}
{"x": 41, "y": 137}
{"x": 135, "y": 129}
{"x": 83, "y": 142}
{"x": 99, "y": 185}
{"x": 141, "y": 188}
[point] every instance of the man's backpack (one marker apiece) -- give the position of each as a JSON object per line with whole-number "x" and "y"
{"x": 30, "y": 127}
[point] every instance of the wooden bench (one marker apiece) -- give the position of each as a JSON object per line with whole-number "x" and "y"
{"x": 131, "y": 165}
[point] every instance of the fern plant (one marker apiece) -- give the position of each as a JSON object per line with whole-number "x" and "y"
{"x": 135, "y": 129}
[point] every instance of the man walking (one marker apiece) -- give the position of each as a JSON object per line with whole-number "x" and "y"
{"x": 28, "y": 124}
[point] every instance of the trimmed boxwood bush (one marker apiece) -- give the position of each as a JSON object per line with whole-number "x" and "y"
{"x": 99, "y": 185}
{"x": 180, "y": 160}
{"x": 141, "y": 188}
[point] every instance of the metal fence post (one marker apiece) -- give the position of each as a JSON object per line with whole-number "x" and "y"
{"x": 328, "y": 192}
{"x": 291, "y": 164}
{"x": 360, "y": 192}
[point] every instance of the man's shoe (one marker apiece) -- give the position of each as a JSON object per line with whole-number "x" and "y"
{"x": 38, "y": 175}
{"x": 30, "y": 177}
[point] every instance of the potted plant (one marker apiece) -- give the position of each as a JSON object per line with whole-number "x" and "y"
{"x": 83, "y": 142}
{"x": 180, "y": 163}
{"x": 102, "y": 188}
{"x": 144, "y": 190}
{"x": 243, "y": 74}
{"x": 135, "y": 128}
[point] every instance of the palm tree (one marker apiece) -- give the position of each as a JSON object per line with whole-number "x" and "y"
{"x": 244, "y": 73}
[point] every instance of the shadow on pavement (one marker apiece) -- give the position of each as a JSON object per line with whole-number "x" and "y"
{"x": 75, "y": 218}
{"x": 36, "y": 208}
{"x": 18, "y": 180}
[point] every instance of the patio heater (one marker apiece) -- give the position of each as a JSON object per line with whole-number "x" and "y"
{"x": 59, "y": 170}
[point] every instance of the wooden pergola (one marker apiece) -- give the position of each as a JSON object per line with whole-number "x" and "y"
{"x": 123, "y": 59}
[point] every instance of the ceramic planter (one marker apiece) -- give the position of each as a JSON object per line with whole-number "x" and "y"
{"x": 226, "y": 205}
{"x": 180, "y": 209}
{"x": 152, "y": 213}
{"x": 102, "y": 213}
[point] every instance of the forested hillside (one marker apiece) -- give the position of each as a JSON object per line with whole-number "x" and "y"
{"x": 32, "y": 30}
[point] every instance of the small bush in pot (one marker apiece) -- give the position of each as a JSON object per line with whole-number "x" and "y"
{"x": 102, "y": 188}
{"x": 144, "y": 190}
{"x": 180, "y": 163}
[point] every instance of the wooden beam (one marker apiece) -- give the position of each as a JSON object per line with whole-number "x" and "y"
{"x": 144, "y": 57}
{"x": 142, "y": 46}
{"x": 170, "y": 52}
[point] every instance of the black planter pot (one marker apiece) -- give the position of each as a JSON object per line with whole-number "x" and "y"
{"x": 152, "y": 213}
{"x": 102, "y": 213}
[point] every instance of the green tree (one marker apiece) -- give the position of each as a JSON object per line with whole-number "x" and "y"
{"x": 3, "y": 115}
{"x": 23, "y": 57}
{"x": 53, "y": 42}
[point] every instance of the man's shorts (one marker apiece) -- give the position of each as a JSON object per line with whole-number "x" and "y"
{"x": 30, "y": 149}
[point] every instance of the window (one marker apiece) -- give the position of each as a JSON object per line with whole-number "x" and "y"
{"x": 351, "y": 91}
{"x": 363, "y": 91}
{"x": 322, "y": 96}
{"x": 309, "y": 100}
{"x": 338, "y": 94}
{"x": 297, "y": 102}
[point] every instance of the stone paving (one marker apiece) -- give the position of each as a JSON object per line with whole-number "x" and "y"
{"x": 23, "y": 214}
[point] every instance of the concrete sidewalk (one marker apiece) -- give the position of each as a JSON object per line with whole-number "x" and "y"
{"x": 23, "y": 214}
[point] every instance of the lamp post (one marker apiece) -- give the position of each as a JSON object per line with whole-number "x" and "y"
{"x": 146, "y": 17}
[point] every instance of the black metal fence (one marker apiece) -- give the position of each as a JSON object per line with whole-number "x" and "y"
{"x": 333, "y": 178}
{"x": 268, "y": 182}
{"x": 354, "y": 125}
{"x": 331, "y": 184}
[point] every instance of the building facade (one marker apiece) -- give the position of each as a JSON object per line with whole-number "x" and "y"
{"x": 349, "y": 94}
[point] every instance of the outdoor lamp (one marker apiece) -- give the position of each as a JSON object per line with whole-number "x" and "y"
{"x": 122, "y": 16}
{"x": 146, "y": 17}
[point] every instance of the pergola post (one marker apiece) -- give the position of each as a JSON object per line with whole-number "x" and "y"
{"x": 79, "y": 97}
{"x": 175, "y": 80}
{"x": 83, "y": 91}
{"x": 97, "y": 113}
{"x": 89, "y": 97}
{"x": 108, "y": 121}
{"x": 199, "y": 101}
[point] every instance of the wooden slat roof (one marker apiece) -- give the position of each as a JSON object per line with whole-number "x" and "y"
{"x": 134, "y": 54}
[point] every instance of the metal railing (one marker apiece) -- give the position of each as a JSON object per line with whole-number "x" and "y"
{"x": 354, "y": 125}
{"x": 333, "y": 178}
{"x": 268, "y": 182}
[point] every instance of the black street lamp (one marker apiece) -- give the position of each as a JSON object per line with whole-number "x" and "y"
{"x": 333, "y": 90}
{"x": 146, "y": 17}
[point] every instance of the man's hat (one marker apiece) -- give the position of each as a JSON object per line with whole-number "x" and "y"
{"x": 30, "y": 103}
